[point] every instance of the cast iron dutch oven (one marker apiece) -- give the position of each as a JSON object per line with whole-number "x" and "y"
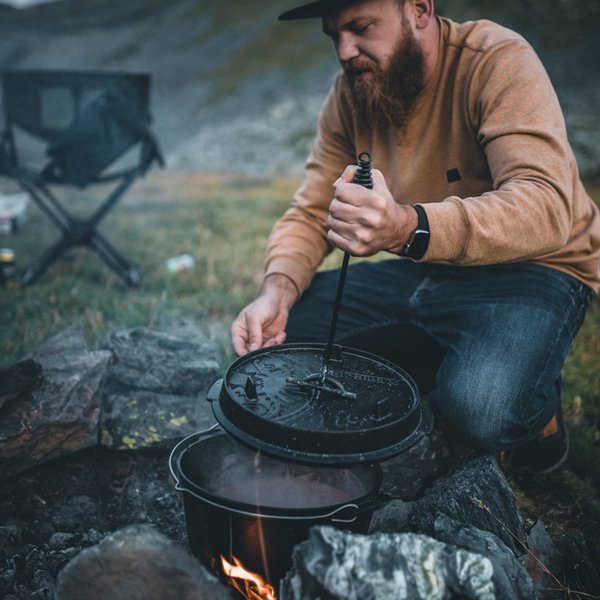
{"x": 301, "y": 442}
{"x": 241, "y": 504}
{"x": 282, "y": 400}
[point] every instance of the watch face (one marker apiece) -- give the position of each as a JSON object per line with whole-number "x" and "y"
{"x": 417, "y": 244}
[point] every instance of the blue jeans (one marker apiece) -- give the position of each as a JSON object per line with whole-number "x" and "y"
{"x": 485, "y": 344}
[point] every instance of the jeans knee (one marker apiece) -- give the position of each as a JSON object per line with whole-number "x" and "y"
{"x": 485, "y": 436}
{"x": 488, "y": 437}
{"x": 490, "y": 422}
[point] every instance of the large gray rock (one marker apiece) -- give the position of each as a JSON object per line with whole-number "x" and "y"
{"x": 476, "y": 494}
{"x": 137, "y": 563}
{"x": 155, "y": 389}
{"x": 59, "y": 414}
{"x": 473, "y": 507}
{"x": 160, "y": 362}
{"x": 511, "y": 579}
{"x": 334, "y": 564}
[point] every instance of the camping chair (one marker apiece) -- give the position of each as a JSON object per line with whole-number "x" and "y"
{"x": 87, "y": 121}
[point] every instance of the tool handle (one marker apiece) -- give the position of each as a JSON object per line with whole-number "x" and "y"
{"x": 362, "y": 177}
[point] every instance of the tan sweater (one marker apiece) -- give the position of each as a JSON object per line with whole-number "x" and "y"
{"x": 485, "y": 152}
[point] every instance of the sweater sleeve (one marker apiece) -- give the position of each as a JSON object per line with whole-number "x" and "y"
{"x": 298, "y": 242}
{"x": 516, "y": 116}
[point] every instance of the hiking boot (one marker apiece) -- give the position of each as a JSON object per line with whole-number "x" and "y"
{"x": 546, "y": 453}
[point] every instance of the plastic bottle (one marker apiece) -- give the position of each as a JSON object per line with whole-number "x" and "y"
{"x": 185, "y": 262}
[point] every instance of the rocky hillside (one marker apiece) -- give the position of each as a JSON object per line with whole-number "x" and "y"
{"x": 234, "y": 89}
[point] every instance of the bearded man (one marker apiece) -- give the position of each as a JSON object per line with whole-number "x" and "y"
{"x": 493, "y": 243}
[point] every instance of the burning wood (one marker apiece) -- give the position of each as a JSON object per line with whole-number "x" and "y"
{"x": 250, "y": 585}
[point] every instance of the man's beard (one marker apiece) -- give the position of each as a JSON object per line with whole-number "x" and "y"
{"x": 388, "y": 97}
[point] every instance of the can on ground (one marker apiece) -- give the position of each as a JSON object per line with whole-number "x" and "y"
{"x": 8, "y": 267}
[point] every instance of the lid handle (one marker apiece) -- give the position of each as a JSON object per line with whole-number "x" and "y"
{"x": 215, "y": 391}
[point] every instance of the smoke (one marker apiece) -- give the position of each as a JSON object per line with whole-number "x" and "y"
{"x": 227, "y": 470}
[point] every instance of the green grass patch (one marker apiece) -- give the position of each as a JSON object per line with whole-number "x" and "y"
{"x": 224, "y": 225}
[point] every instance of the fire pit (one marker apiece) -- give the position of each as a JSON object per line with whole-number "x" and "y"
{"x": 59, "y": 508}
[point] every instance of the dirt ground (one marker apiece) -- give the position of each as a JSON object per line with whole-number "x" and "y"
{"x": 51, "y": 512}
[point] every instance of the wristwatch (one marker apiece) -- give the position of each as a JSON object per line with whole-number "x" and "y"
{"x": 418, "y": 241}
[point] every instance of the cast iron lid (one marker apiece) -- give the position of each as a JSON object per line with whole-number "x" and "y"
{"x": 279, "y": 400}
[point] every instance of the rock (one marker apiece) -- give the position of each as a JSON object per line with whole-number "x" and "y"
{"x": 97, "y": 485}
{"x": 91, "y": 537}
{"x": 542, "y": 559}
{"x": 476, "y": 494}
{"x": 392, "y": 517}
{"x": 19, "y": 379}
{"x": 155, "y": 389}
{"x": 44, "y": 585}
{"x": 407, "y": 475}
{"x": 59, "y": 415}
{"x": 334, "y": 564}
{"x": 143, "y": 419}
{"x": 472, "y": 508}
{"x": 159, "y": 362}
{"x": 510, "y": 578}
{"x": 61, "y": 540}
{"x": 134, "y": 563}
{"x": 539, "y": 540}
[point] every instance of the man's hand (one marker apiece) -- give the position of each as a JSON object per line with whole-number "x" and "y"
{"x": 262, "y": 323}
{"x": 363, "y": 222}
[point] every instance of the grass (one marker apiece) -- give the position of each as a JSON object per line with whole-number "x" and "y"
{"x": 224, "y": 221}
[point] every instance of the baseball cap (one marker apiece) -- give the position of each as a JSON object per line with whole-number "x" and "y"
{"x": 319, "y": 8}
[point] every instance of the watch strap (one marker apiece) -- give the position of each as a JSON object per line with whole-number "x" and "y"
{"x": 418, "y": 242}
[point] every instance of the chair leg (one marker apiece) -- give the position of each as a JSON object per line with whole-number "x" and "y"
{"x": 105, "y": 251}
{"x": 77, "y": 232}
{"x": 39, "y": 266}
{"x": 114, "y": 259}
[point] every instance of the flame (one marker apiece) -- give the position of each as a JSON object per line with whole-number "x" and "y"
{"x": 251, "y": 586}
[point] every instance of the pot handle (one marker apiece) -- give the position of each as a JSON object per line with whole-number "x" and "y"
{"x": 345, "y": 514}
{"x": 176, "y": 450}
{"x": 353, "y": 510}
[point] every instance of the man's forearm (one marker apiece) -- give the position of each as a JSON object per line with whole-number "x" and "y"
{"x": 283, "y": 286}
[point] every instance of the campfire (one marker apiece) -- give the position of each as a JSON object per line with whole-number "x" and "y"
{"x": 248, "y": 534}
{"x": 250, "y": 585}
